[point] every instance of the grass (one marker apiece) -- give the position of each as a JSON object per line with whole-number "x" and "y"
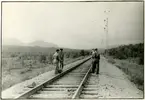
{"x": 130, "y": 67}
{"x": 20, "y": 63}
{"x": 18, "y": 74}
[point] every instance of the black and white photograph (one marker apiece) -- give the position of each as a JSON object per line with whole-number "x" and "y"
{"x": 72, "y": 50}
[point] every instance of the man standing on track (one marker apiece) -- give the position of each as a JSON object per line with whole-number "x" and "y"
{"x": 95, "y": 60}
{"x": 61, "y": 58}
{"x": 56, "y": 61}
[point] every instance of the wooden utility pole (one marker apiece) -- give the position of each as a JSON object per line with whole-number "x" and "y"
{"x": 106, "y": 27}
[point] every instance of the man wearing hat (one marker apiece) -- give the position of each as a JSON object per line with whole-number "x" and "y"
{"x": 61, "y": 57}
{"x": 95, "y": 60}
{"x": 56, "y": 61}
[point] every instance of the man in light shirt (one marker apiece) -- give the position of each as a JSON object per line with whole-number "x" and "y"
{"x": 56, "y": 61}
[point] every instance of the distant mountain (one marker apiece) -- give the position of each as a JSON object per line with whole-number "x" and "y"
{"x": 12, "y": 41}
{"x": 33, "y": 49}
{"x": 16, "y": 42}
{"x": 28, "y": 49}
{"x": 42, "y": 44}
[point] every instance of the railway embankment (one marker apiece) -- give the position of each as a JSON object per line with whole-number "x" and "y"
{"x": 23, "y": 87}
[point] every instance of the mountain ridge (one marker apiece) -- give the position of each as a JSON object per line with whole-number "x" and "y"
{"x": 16, "y": 42}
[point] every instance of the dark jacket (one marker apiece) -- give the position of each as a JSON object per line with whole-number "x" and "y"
{"x": 61, "y": 56}
{"x": 95, "y": 57}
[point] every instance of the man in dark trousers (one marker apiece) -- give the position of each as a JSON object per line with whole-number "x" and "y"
{"x": 95, "y": 60}
{"x": 61, "y": 57}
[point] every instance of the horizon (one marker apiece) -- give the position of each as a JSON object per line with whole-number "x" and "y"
{"x": 111, "y": 46}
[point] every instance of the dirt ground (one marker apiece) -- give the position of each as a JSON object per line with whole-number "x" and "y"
{"x": 133, "y": 70}
{"x": 114, "y": 83}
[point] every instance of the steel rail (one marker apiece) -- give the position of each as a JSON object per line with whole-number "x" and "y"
{"x": 35, "y": 89}
{"x": 78, "y": 91}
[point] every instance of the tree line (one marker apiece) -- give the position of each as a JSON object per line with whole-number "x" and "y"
{"x": 126, "y": 51}
{"x": 27, "y": 59}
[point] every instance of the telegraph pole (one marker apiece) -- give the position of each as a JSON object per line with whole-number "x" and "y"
{"x": 106, "y": 27}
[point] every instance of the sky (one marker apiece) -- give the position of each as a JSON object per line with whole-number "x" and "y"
{"x": 73, "y": 24}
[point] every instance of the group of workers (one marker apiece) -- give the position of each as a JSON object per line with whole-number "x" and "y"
{"x": 58, "y": 60}
{"x": 95, "y": 61}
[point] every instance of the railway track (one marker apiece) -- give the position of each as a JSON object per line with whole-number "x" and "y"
{"x": 91, "y": 89}
{"x": 76, "y": 83}
{"x": 64, "y": 85}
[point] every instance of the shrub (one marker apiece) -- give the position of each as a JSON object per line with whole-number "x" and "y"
{"x": 126, "y": 51}
{"x": 82, "y": 53}
{"x": 67, "y": 54}
{"x": 111, "y": 61}
{"x": 13, "y": 55}
{"x": 141, "y": 60}
{"x": 42, "y": 59}
{"x": 50, "y": 58}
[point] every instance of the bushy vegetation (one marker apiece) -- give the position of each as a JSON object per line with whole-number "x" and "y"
{"x": 130, "y": 59}
{"x": 134, "y": 71}
{"x": 128, "y": 51}
{"x": 32, "y": 57}
{"x": 21, "y": 63}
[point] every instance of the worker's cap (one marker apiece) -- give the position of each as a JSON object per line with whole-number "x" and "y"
{"x": 61, "y": 49}
{"x": 57, "y": 49}
{"x": 96, "y": 49}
